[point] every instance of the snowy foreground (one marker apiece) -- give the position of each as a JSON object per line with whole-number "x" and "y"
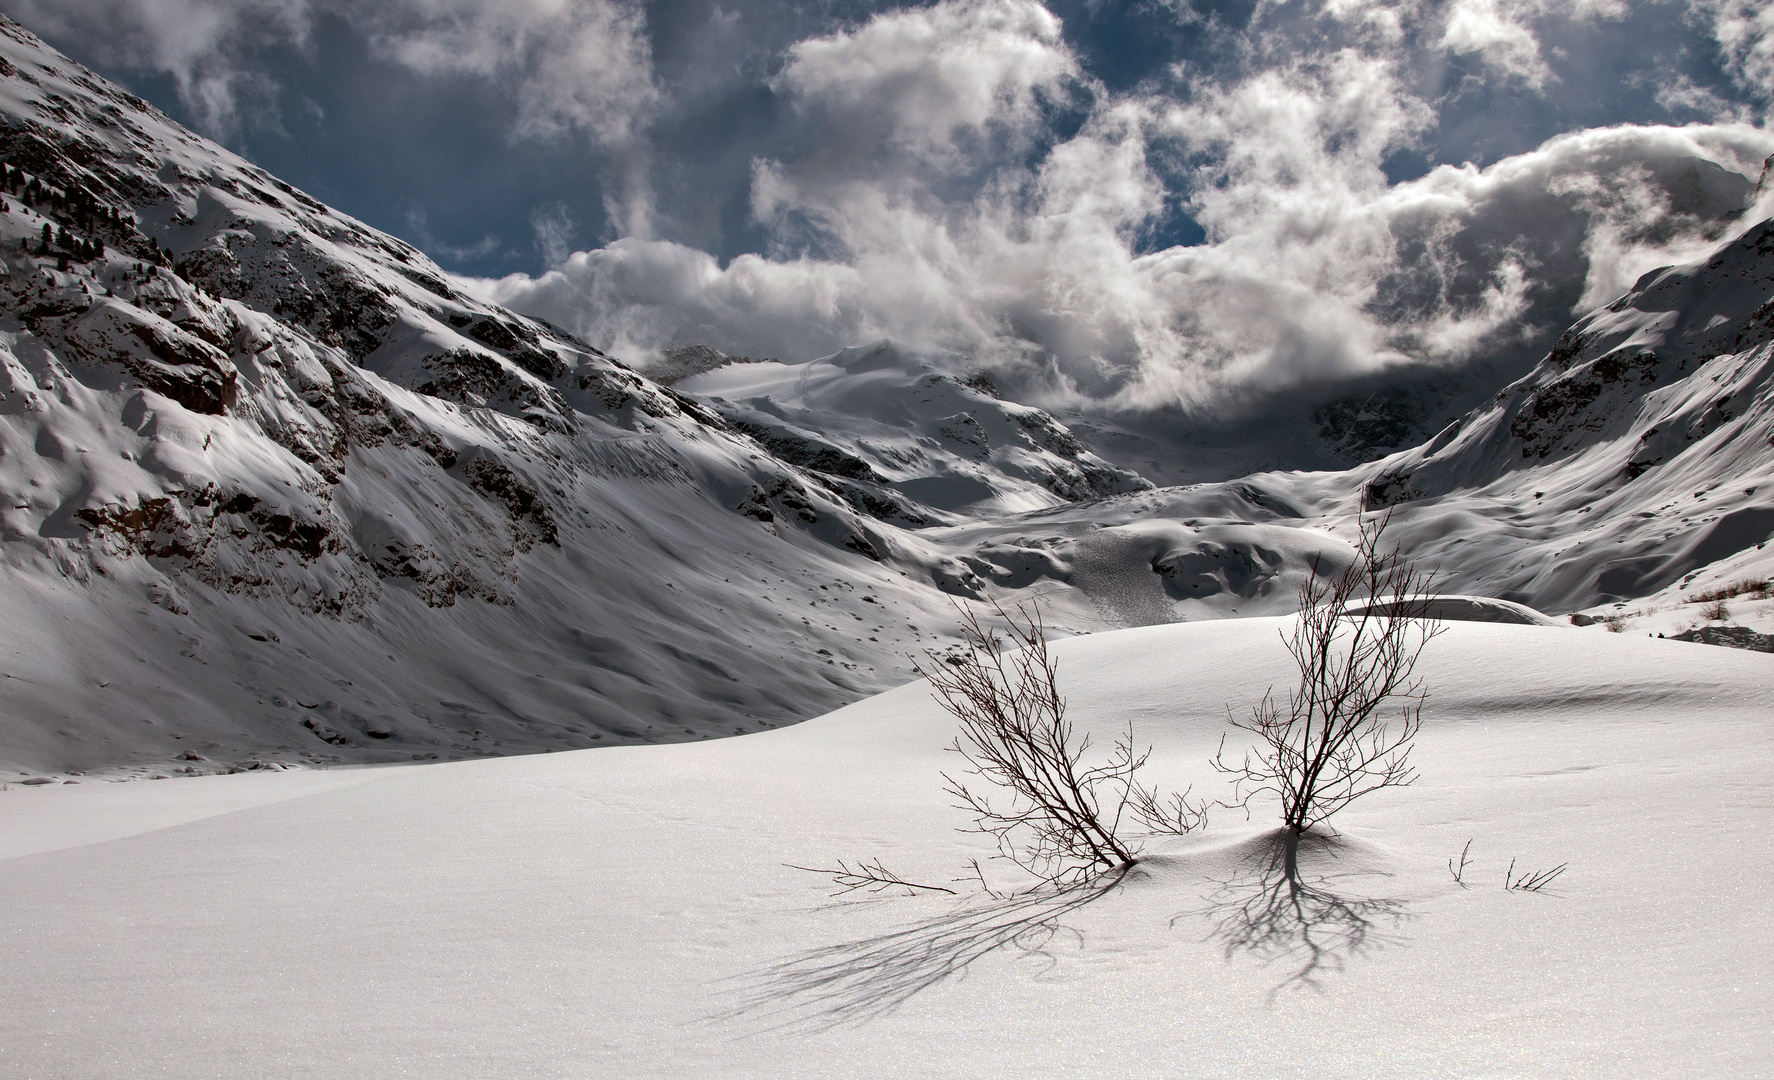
{"x": 626, "y": 912}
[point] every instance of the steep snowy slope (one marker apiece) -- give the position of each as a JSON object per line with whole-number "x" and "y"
{"x": 272, "y": 488}
{"x": 1638, "y": 457}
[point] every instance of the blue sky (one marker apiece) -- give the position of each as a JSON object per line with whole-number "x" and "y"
{"x": 1132, "y": 204}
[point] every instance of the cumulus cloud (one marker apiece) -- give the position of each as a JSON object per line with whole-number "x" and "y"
{"x": 1315, "y": 267}
{"x": 1332, "y": 281}
{"x": 568, "y": 64}
{"x": 197, "y": 42}
{"x": 565, "y": 64}
{"x": 930, "y": 82}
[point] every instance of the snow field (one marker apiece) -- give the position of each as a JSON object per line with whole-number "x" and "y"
{"x": 625, "y": 912}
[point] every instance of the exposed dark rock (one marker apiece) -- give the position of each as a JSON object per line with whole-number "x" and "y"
{"x": 1735, "y": 637}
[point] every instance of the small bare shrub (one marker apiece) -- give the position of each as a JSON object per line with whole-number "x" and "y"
{"x": 1715, "y": 611}
{"x": 1754, "y": 588}
{"x": 1616, "y": 624}
{"x": 1356, "y": 643}
{"x": 1053, "y": 813}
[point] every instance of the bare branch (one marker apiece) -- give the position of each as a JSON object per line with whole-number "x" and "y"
{"x": 872, "y": 878}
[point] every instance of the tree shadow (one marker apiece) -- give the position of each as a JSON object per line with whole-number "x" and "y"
{"x": 1281, "y": 915}
{"x": 858, "y": 981}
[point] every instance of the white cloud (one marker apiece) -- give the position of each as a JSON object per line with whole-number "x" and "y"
{"x": 1744, "y": 31}
{"x": 1502, "y": 31}
{"x": 568, "y": 64}
{"x": 555, "y": 229}
{"x": 919, "y": 191}
{"x": 929, "y": 82}
{"x": 1315, "y": 268}
{"x": 197, "y": 42}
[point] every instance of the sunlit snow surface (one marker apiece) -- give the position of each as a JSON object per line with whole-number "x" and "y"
{"x": 626, "y": 911}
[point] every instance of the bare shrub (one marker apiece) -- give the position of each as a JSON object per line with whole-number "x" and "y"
{"x": 1715, "y": 611}
{"x": 1356, "y": 643}
{"x": 1053, "y": 812}
{"x": 1754, "y": 588}
{"x": 1616, "y": 624}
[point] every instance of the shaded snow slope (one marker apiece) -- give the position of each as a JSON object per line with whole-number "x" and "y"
{"x": 1638, "y": 457}
{"x": 626, "y": 912}
{"x": 271, "y": 488}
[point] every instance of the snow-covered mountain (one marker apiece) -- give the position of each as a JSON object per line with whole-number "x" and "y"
{"x": 913, "y": 444}
{"x": 275, "y": 489}
{"x": 1634, "y": 463}
{"x": 1637, "y": 458}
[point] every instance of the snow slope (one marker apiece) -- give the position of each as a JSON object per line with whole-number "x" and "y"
{"x": 625, "y": 912}
{"x": 273, "y": 490}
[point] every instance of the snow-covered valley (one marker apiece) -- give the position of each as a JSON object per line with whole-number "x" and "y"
{"x": 626, "y": 911}
{"x": 494, "y": 689}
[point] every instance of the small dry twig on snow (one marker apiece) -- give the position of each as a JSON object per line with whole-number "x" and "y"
{"x": 872, "y": 878}
{"x": 1531, "y": 882}
{"x": 1459, "y": 872}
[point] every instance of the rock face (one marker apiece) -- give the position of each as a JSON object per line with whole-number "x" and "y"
{"x": 1734, "y": 637}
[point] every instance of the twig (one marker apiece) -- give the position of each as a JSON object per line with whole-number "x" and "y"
{"x": 980, "y": 876}
{"x": 1531, "y": 882}
{"x": 872, "y": 878}
{"x": 1460, "y": 871}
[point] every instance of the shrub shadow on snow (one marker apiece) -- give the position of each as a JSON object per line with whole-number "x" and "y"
{"x": 1282, "y": 907}
{"x": 858, "y": 981}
